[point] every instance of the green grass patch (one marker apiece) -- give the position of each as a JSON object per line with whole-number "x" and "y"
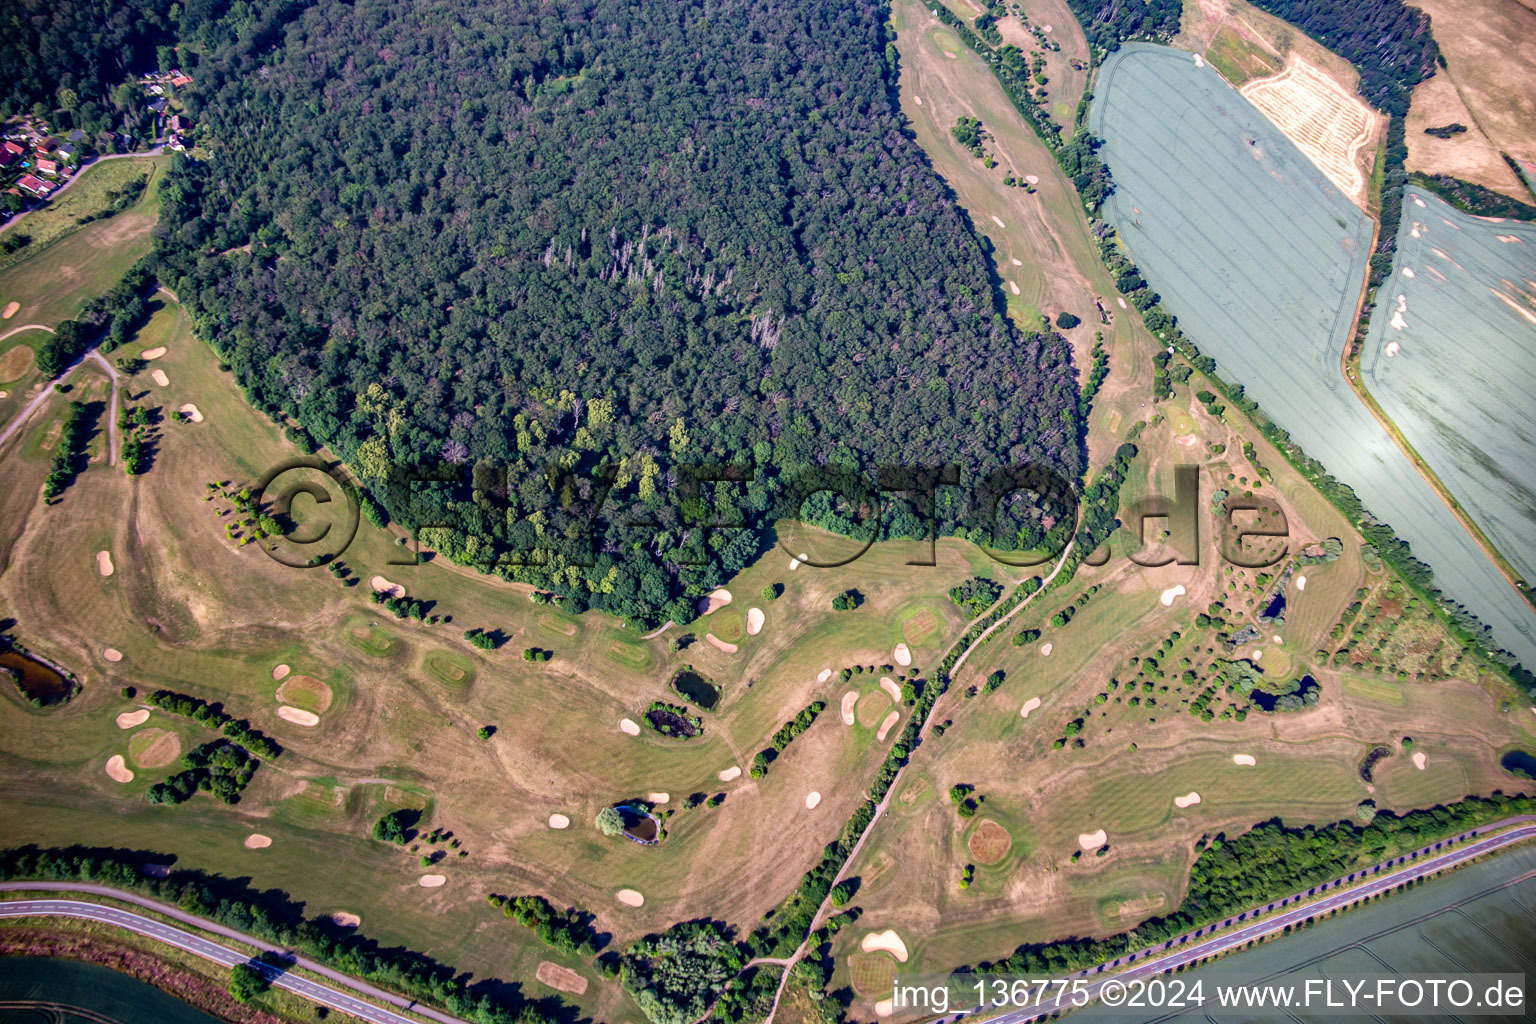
{"x": 371, "y": 639}
{"x": 1379, "y": 691}
{"x": 452, "y": 670}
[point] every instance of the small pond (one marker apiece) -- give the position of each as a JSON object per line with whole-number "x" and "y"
{"x": 42, "y": 685}
{"x": 1275, "y": 610}
{"x": 639, "y": 825}
{"x": 1519, "y": 762}
{"x": 696, "y": 689}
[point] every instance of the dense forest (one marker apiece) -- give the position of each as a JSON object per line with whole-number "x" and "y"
{"x": 562, "y": 252}
{"x": 1108, "y": 23}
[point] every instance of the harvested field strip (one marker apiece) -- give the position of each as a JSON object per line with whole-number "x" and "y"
{"x": 1213, "y": 209}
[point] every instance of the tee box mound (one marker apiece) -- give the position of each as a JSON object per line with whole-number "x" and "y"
{"x": 562, "y": 978}
{"x": 989, "y": 843}
{"x": 305, "y": 692}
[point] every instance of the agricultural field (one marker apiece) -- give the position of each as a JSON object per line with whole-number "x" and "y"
{"x": 1448, "y": 357}
{"x": 1468, "y": 154}
{"x": 1207, "y": 190}
{"x": 1474, "y": 919}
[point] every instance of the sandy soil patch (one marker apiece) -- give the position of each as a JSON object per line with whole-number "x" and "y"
{"x": 1301, "y": 583}
{"x": 130, "y": 719}
{"x": 885, "y": 726}
{"x": 161, "y": 378}
{"x": 754, "y": 621}
{"x": 192, "y": 412}
{"x": 824, "y": 675}
{"x": 257, "y": 841}
{"x": 891, "y": 689}
{"x": 384, "y": 586}
{"x": 887, "y": 941}
{"x": 1029, "y": 705}
{"x": 298, "y": 716}
{"x": 280, "y": 672}
{"x": 1418, "y": 760}
{"x": 1247, "y": 760}
{"x": 346, "y": 919}
{"x": 733, "y": 772}
{"x": 307, "y": 692}
{"x": 154, "y": 748}
{"x": 1171, "y": 593}
{"x": 851, "y": 698}
{"x": 153, "y": 353}
{"x": 1092, "y": 840}
{"x": 630, "y": 898}
{"x": 1187, "y": 800}
{"x": 117, "y": 769}
{"x": 903, "y": 655}
{"x": 720, "y": 645}
{"x": 714, "y": 601}
{"x": 1326, "y": 123}
{"x": 10, "y": 310}
{"x": 998, "y": 221}
{"x": 628, "y": 727}
{"x": 658, "y": 798}
{"x": 559, "y": 821}
{"x": 112, "y": 654}
{"x": 1046, "y": 648}
{"x": 431, "y": 881}
{"x": 811, "y": 800}
{"x": 794, "y": 563}
{"x": 104, "y": 563}
{"x": 561, "y": 978}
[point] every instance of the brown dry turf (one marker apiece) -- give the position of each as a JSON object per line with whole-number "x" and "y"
{"x": 871, "y": 973}
{"x": 562, "y": 978}
{"x": 989, "y": 843}
{"x": 153, "y": 748}
{"x": 15, "y": 363}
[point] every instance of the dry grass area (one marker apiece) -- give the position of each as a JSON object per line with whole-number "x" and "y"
{"x": 1332, "y": 127}
{"x": 1469, "y": 155}
{"x": 1492, "y": 62}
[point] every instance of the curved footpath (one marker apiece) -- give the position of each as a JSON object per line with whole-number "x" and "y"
{"x": 219, "y": 954}
{"x": 1163, "y": 958}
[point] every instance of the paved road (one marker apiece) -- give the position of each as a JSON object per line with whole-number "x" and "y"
{"x": 181, "y": 939}
{"x": 46, "y": 389}
{"x": 17, "y": 219}
{"x": 1382, "y": 878}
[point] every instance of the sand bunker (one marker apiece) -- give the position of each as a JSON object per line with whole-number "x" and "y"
{"x": 1246, "y": 760}
{"x": 1018, "y": 263}
{"x": 849, "y": 700}
{"x": 1187, "y": 800}
{"x": 257, "y": 841}
{"x": 658, "y": 798}
{"x": 562, "y": 978}
{"x": 884, "y": 1008}
{"x": 733, "y": 772}
{"x": 1092, "y": 840}
{"x": 1029, "y": 705}
{"x": 998, "y": 221}
{"x": 112, "y": 654}
{"x": 811, "y": 800}
{"x": 917, "y": 99}
{"x": 153, "y": 353}
{"x": 714, "y": 601}
{"x": 1301, "y": 583}
{"x": 346, "y": 920}
{"x": 559, "y": 821}
{"x": 129, "y": 719}
{"x": 1033, "y": 179}
{"x": 384, "y": 586}
{"x": 630, "y": 898}
{"x": 885, "y": 726}
{"x": 903, "y": 655}
{"x": 628, "y": 727}
{"x": 298, "y": 716}
{"x": 794, "y": 563}
{"x": 431, "y": 881}
{"x": 161, "y": 378}
{"x": 117, "y": 769}
{"x": 1121, "y": 299}
{"x": 891, "y": 689}
{"x": 887, "y": 941}
{"x": 1046, "y": 648}
{"x": 824, "y": 675}
{"x": 1171, "y": 593}
{"x": 10, "y": 310}
{"x": 1418, "y": 760}
{"x": 720, "y": 645}
{"x": 280, "y": 672}
{"x": 754, "y": 621}
{"x": 104, "y": 563}
{"x": 192, "y": 413}
{"x": 1013, "y": 286}
{"x": 1258, "y": 653}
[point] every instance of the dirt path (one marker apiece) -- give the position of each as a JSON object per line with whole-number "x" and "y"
{"x": 819, "y": 917}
